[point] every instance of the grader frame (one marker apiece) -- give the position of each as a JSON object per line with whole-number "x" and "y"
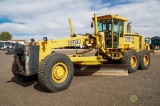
{"x": 55, "y": 70}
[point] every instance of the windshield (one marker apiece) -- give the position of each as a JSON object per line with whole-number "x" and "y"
{"x": 1, "y": 44}
{"x": 104, "y": 25}
{"x": 118, "y": 27}
{"x": 7, "y": 44}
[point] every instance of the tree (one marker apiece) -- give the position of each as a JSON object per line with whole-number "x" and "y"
{"x": 5, "y": 36}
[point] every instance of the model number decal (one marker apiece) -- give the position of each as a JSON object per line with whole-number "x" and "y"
{"x": 129, "y": 39}
{"x": 74, "y": 42}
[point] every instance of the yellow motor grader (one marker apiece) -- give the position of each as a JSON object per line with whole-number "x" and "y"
{"x": 113, "y": 42}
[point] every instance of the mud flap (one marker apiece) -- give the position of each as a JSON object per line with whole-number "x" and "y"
{"x": 109, "y": 69}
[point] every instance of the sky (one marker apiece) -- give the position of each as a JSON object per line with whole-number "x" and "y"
{"x": 26, "y": 19}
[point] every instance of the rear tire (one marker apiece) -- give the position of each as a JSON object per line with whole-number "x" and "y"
{"x": 144, "y": 59}
{"x": 131, "y": 58}
{"x": 20, "y": 77}
{"x": 55, "y": 72}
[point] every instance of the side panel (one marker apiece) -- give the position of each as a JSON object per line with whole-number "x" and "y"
{"x": 133, "y": 41}
{"x": 136, "y": 42}
{"x": 33, "y": 59}
{"x": 121, "y": 42}
{"x": 46, "y": 48}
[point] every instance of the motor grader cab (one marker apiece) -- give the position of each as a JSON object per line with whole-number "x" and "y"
{"x": 117, "y": 43}
{"x": 111, "y": 28}
{"x": 116, "y": 50}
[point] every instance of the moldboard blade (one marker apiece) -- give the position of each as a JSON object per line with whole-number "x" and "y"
{"x": 109, "y": 69}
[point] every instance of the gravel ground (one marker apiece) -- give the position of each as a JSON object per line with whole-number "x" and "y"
{"x": 84, "y": 90}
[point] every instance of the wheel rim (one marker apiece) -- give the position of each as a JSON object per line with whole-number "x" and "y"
{"x": 59, "y": 72}
{"x": 146, "y": 60}
{"x": 133, "y": 61}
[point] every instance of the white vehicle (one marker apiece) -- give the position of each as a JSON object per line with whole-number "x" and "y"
{"x": 14, "y": 42}
{"x": 8, "y": 45}
{"x": 5, "y": 45}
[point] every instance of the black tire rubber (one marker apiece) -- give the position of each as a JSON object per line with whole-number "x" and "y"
{"x": 141, "y": 54}
{"x": 20, "y": 77}
{"x": 126, "y": 60}
{"x": 45, "y": 72}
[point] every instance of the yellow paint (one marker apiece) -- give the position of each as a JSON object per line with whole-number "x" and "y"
{"x": 46, "y": 48}
{"x": 133, "y": 61}
{"x": 110, "y": 17}
{"x": 97, "y": 40}
{"x": 146, "y": 60}
{"x": 71, "y": 28}
{"x": 87, "y": 60}
{"x": 59, "y": 72}
{"x": 96, "y": 29}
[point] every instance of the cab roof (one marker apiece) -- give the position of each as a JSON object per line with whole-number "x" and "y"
{"x": 110, "y": 16}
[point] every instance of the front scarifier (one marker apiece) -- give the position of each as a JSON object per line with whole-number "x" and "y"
{"x": 24, "y": 66}
{"x": 21, "y": 77}
{"x": 55, "y": 72}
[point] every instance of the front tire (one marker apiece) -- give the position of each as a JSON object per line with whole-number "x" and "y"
{"x": 56, "y": 72}
{"x": 131, "y": 58}
{"x": 145, "y": 59}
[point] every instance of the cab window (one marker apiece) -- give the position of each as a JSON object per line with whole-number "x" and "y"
{"x": 104, "y": 25}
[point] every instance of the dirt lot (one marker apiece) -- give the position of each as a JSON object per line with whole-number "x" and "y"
{"x": 84, "y": 90}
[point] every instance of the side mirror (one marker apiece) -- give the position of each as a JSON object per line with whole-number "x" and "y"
{"x": 45, "y": 39}
{"x": 91, "y": 24}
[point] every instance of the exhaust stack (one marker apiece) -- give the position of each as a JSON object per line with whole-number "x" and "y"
{"x": 129, "y": 27}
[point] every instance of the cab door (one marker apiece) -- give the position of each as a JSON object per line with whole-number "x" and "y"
{"x": 118, "y": 33}
{"x": 105, "y": 27}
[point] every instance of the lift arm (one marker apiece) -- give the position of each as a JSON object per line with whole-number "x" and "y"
{"x": 71, "y": 28}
